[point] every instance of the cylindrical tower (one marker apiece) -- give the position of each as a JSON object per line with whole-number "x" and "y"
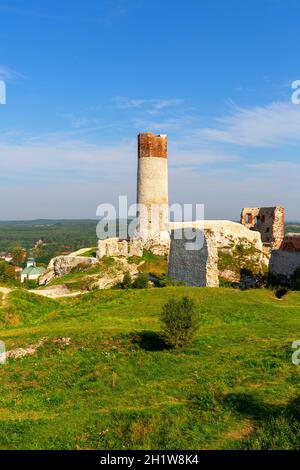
{"x": 152, "y": 185}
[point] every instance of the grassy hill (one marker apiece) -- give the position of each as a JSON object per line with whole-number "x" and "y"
{"x": 116, "y": 387}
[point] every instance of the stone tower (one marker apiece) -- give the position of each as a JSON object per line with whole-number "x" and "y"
{"x": 152, "y": 186}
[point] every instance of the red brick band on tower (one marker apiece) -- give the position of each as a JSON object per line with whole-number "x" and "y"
{"x": 150, "y": 145}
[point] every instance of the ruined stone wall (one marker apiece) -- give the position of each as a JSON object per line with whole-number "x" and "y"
{"x": 284, "y": 263}
{"x": 193, "y": 267}
{"x": 291, "y": 242}
{"x": 133, "y": 247}
{"x": 117, "y": 247}
{"x": 268, "y": 221}
{"x": 202, "y": 268}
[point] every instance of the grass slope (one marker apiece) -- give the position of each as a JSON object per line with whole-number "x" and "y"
{"x": 115, "y": 387}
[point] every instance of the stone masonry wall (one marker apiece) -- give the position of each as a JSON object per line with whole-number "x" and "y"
{"x": 268, "y": 221}
{"x": 193, "y": 267}
{"x": 284, "y": 263}
{"x": 200, "y": 268}
{"x": 117, "y": 247}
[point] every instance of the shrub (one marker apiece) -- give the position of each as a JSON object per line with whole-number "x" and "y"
{"x": 141, "y": 282}
{"x": 165, "y": 281}
{"x": 281, "y": 292}
{"x": 127, "y": 281}
{"x": 179, "y": 322}
{"x": 31, "y": 284}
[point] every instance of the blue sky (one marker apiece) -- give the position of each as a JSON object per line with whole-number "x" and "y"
{"x": 83, "y": 78}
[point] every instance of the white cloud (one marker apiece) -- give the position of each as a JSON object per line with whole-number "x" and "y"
{"x": 62, "y": 175}
{"x": 8, "y": 74}
{"x": 159, "y": 104}
{"x": 59, "y": 177}
{"x": 123, "y": 102}
{"x": 51, "y": 160}
{"x": 198, "y": 157}
{"x": 225, "y": 191}
{"x": 53, "y": 177}
{"x": 262, "y": 126}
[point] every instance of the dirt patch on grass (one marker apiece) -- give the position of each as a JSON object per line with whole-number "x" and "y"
{"x": 240, "y": 433}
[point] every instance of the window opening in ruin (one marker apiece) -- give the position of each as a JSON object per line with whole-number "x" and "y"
{"x": 249, "y": 218}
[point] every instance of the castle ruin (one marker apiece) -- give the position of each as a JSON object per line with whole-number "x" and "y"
{"x": 268, "y": 221}
{"x": 230, "y": 250}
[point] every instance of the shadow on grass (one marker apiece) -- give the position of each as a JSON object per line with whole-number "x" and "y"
{"x": 276, "y": 427}
{"x": 249, "y": 405}
{"x": 149, "y": 341}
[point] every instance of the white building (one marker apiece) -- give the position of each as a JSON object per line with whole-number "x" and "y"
{"x": 31, "y": 272}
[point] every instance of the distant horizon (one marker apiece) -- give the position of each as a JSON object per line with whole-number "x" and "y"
{"x": 287, "y": 222}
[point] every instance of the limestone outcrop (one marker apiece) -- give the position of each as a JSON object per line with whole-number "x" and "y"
{"x": 62, "y": 265}
{"x": 109, "y": 273}
{"x": 115, "y": 273}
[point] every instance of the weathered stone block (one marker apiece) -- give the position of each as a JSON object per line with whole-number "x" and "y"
{"x": 197, "y": 267}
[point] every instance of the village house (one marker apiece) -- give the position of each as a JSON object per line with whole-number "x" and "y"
{"x": 32, "y": 272}
{"x": 8, "y": 257}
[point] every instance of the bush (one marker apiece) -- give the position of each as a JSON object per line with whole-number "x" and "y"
{"x": 165, "y": 281}
{"x": 179, "y": 322}
{"x": 281, "y": 292}
{"x": 31, "y": 284}
{"x": 141, "y": 282}
{"x": 127, "y": 281}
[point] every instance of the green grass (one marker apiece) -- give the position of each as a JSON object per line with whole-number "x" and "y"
{"x": 90, "y": 253}
{"x": 153, "y": 264}
{"x": 82, "y": 275}
{"x": 241, "y": 257}
{"x": 115, "y": 387}
{"x": 74, "y": 278}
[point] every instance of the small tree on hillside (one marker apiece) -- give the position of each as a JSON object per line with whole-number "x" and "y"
{"x": 141, "y": 281}
{"x": 179, "y": 322}
{"x": 127, "y": 281}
